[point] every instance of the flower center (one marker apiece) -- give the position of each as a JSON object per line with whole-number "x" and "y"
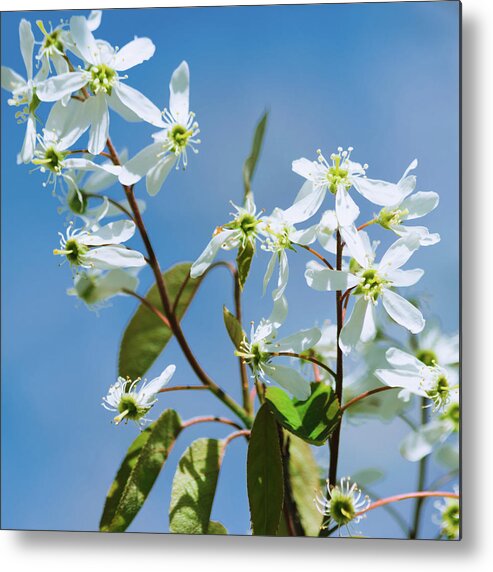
{"x": 389, "y": 218}
{"x": 440, "y": 392}
{"x": 52, "y": 42}
{"x": 103, "y": 78}
{"x": 77, "y": 201}
{"x": 451, "y": 520}
{"x": 428, "y": 357}
{"x": 74, "y": 251}
{"x": 371, "y": 285}
{"x": 341, "y": 508}
{"x": 452, "y": 414}
{"x": 179, "y": 135}
{"x": 336, "y": 175}
{"x": 52, "y": 160}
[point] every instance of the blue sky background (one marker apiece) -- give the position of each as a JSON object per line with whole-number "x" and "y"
{"x": 382, "y": 78}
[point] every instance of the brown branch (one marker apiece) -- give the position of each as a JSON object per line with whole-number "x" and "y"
{"x": 363, "y": 395}
{"x": 182, "y": 388}
{"x": 211, "y": 419}
{"x": 149, "y": 306}
{"x": 318, "y": 255}
{"x": 304, "y": 357}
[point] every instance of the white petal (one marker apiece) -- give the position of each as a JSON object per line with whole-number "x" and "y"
{"x": 290, "y": 380}
{"x": 305, "y": 190}
{"x": 158, "y": 174}
{"x": 351, "y": 332}
{"x": 380, "y": 192}
{"x": 148, "y": 391}
{"x": 420, "y": 204}
{"x": 299, "y": 342}
{"x": 111, "y": 233}
{"x": 369, "y": 330}
{"x": 398, "y": 254}
{"x": 347, "y": 210}
{"x": 405, "y": 277}
{"x": 403, "y": 312}
{"x": 282, "y": 280}
{"x": 306, "y": 168}
{"x": 270, "y": 270}
{"x": 57, "y": 87}
{"x": 11, "y": 80}
{"x": 139, "y": 166}
{"x": 320, "y": 278}
{"x": 120, "y": 108}
{"x": 99, "y": 181}
{"x": 356, "y": 245}
{"x": 206, "y": 258}
{"x": 307, "y": 206}
{"x": 133, "y": 53}
{"x": 106, "y": 286}
{"x": 401, "y": 378}
{"x": 420, "y": 443}
{"x": 107, "y": 257}
{"x": 279, "y": 312}
{"x": 68, "y": 122}
{"x": 94, "y": 19}
{"x": 84, "y": 40}
{"x": 100, "y": 124}
{"x": 424, "y": 236}
{"x": 139, "y": 104}
{"x": 305, "y": 236}
{"x": 27, "y": 151}
{"x": 87, "y": 165}
{"x": 26, "y": 38}
{"x": 179, "y": 88}
{"x": 413, "y": 165}
{"x": 403, "y": 360}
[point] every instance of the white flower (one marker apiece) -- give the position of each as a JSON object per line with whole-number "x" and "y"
{"x": 434, "y": 347}
{"x": 368, "y": 283}
{"x": 95, "y": 287}
{"x": 24, "y": 91}
{"x": 438, "y": 384}
{"x": 256, "y": 351}
{"x": 342, "y": 174}
{"x": 57, "y": 41}
{"x": 281, "y": 235}
{"x": 101, "y": 249}
{"x": 412, "y": 207}
{"x": 170, "y": 147}
{"x": 52, "y": 154}
{"x": 242, "y": 229}
{"x": 448, "y": 517}
{"x": 101, "y": 78}
{"x": 131, "y": 404}
{"x": 343, "y": 503}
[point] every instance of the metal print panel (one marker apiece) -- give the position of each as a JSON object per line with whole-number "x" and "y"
{"x": 230, "y": 270}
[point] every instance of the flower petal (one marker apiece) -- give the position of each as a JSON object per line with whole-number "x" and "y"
{"x": 26, "y": 38}
{"x": 289, "y": 379}
{"x": 94, "y": 19}
{"x": 405, "y": 277}
{"x": 424, "y": 236}
{"x": 403, "y": 312}
{"x": 420, "y": 204}
{"x": 307, "y": 206}
{"x": 179, "y": 93}
{"x": 380, "y": 192}
{"x": 420, "y": 443}
{"x": 320, "y": 278}
{"x": 120, "y": 108}
{"x": 84, "y": 40}
{"x": 306, "y": 168}
{"x": 115, "y": 256}
{"x": 139, "y": 104}
{"x": 27, "y": 151}
{"x": 149, "y": 391}
{"x": 133, "y": 54}
{"x": 210, "y": 251}
{"x": 403, "y": 360}
{"x": 87, "y": 165}
{"x": 57, "y": 87}
{"x": 11, "y": 80}
{"x": 68, "y": 122}
{"x": 347, "y": 210}
{"x": 356, "y": 245}
{"x": 111, "y": 233}
{"x": 398, "y": 254}
{"x": 351, "y": 332}
{"x": 269, "y": 271}
{"x": 100, "y": 124}
{"x": 282, "y": 280}
{"x": 137, "y": 167}
{"x": 401, "y": 378}
{"x": 299, "y": 342}
{"x": 157, "y": 174}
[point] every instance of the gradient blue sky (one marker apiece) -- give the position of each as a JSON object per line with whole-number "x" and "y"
{"x": 382, "y": 78}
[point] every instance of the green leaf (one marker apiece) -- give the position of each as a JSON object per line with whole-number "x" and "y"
{"x": 233, "y": 327}
{"x": 244, "y": 261}
{"x": 305, "y": 478}
{"x": 146, "y": 335}
{"x": 251, "y": 162}
{"x": 312, "y": 420}
{"x": 265, "y": 474}
{"x": 216, "y": 528}
{"x": 140, "y": 468}
{"x": 194, "y": 487}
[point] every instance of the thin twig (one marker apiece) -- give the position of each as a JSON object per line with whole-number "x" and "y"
{"x": 318, "y": 255}
{"x": 182, "y": 388}
{"x": 148, "y": 305}
{"x": 405, "y": 496}
{"x": 363, "y": 395}
{"x": 211, "y": 419}
{"x": 113, "y": 202}
{"x": 306, "y": 358}
{"x": 367, "y": 223}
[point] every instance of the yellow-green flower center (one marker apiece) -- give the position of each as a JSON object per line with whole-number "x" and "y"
{"x": 428, "y": 357}
{"x": 179, "y": 135}
{"x": 337, "y": 176}
{"x": 452, "y": 415}
{"x": 389, "y": 218}
{"x": 103, "y": 78}
{"x": 342, "y": 508}
{"x": 52, "y": 42}
{"x": 371, "y": 285}
{"x": 451, "y": 520}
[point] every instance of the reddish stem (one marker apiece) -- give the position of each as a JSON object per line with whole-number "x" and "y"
{"x": 211, "y": 419}
{"x": 405, "y": 496}
{"x": 318, "y": 255}
{"x": 363, "y": 395}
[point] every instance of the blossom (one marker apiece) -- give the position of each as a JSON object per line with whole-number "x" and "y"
{"x": 257, "y": 351}
{"x": 94, "y": 287}
{"x": 281, "y": 235}
{"x": 434, "y": 347}
{"x": 241, "y": 230}
{"x": 131, "y": 404}
{"x": 436, "y": 383}
{"x": 448, "y": 517}
{"x": 101, "y": 78}
{"x": 102, "y": 248}
{"x": 412, "y": 207}
{"x": 24, "y": 91}
{"x": 171, "y": 144}
{"x": 369, "y": 282}
{"x": 343, "y": 503}
{"x": 56, "y": 41}
{"x": 339, "y": 176}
